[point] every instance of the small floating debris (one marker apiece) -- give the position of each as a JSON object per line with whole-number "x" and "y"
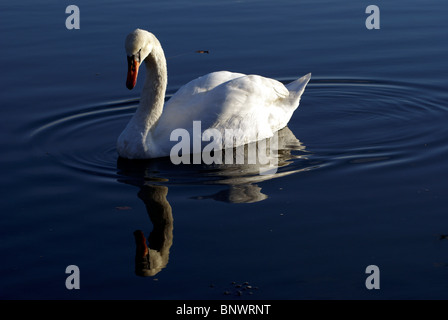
{"x": 123, "y": 208}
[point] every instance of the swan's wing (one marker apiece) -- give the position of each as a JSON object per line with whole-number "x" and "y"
{"x": 196, "y": 100}
{"x": 200, "y": 85}
{"x": 257, "y": 86}
{"x": 254, "y": 107}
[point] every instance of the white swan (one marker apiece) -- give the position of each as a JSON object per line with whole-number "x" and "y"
{"x": 252, "y": 106}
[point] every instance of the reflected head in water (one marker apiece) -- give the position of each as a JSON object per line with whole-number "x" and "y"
{"x": 152, "y": 256}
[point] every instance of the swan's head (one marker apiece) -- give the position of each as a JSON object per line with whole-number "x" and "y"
{"x": 139, "y": 44}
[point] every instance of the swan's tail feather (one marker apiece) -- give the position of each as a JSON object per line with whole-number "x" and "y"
{"x": 296, "y": 89}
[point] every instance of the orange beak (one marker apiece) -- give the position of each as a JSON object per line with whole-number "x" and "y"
{"x": 131, "y": 80}
{"x": 140, "y": 240}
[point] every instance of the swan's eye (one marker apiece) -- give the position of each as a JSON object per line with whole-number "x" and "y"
{"x": 131, "y": 63}
{"x": 135, "y": 57}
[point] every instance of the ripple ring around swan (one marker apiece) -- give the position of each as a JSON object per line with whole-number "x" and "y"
{"x": 366, "y": 122}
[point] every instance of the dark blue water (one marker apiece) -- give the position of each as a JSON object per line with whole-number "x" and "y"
{"x": 365, "y": 184}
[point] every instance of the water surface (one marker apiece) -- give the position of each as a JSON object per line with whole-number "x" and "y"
{"x": 364, "y": 182}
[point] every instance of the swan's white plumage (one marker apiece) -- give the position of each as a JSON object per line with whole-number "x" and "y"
{"x": 254, "y": 107}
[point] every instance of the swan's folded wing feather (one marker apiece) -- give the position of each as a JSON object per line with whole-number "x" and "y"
{"x": 200, "y": 99}
{"x": 203, "y": 84}
{"x": 280, "y": 90}
{"x": 258, "y": 86}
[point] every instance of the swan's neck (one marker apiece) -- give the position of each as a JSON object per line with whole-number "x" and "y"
{"x": 153, "y": 93}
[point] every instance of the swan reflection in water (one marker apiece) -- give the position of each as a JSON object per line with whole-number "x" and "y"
{"x": 151, "y": 255}
{"x": 154, "y": 176}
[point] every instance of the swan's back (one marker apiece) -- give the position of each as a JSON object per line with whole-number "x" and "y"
{"x": 253, "y": 107}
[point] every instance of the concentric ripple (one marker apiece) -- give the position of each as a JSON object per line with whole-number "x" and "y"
{"x": 357, "y": 121}
{"x": 374, "y": 123}
{"x": 85, "y": 140}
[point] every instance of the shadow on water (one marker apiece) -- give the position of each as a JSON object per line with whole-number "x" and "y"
{"x": 153, "y": 178}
